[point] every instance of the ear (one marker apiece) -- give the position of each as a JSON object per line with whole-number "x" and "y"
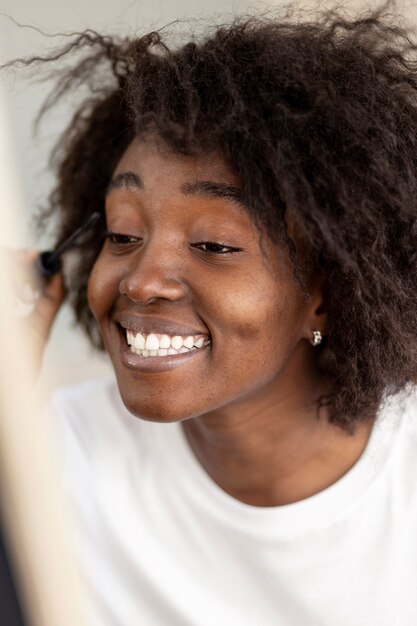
{"x": 316, "y": 317}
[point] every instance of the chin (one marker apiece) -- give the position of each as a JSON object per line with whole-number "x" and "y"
{"x": 154, "y": 411}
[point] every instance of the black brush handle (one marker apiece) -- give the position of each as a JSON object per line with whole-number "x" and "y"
{"x": 49, "y": 262}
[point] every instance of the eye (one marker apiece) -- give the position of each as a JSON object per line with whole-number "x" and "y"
{"x": 215, "y": 247}
{"x": 119, "y": 239}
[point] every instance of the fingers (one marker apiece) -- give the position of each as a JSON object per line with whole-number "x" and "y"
{"x": 27, "y": 283}
{"x": 44, "y": 296}
{"x": 22, "y": 283}
{"x": 46, "y": 307}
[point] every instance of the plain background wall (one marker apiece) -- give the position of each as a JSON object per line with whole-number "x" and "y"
{"x": 69, "y": 358}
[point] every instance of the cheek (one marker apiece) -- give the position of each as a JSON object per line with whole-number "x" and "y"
{"x": 260, "y": 309}
{"x": 258, "y": 325}
{"x": 102, "y": 288}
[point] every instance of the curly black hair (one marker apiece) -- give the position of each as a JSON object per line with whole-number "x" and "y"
{"x": 318, "y": 118}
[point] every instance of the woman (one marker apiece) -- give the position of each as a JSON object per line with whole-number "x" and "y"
{"x": 253, "y": 282}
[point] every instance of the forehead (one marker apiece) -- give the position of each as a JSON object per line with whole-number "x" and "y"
{"x": 153, "y": 158}
{"x": 164, "y": 178}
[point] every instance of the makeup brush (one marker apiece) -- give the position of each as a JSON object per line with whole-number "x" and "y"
{"x": 49, "y": 262}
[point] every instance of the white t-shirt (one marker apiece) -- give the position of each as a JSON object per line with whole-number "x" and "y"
{"x": 162, "y": 545}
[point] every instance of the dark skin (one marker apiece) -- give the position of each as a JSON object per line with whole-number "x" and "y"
{"x": 246, "y": 401}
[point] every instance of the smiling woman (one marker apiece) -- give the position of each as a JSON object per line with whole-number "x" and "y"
{"x": 253, "y": 282}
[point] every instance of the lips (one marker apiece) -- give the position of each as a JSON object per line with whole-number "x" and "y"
{"x": 131, "y": 325}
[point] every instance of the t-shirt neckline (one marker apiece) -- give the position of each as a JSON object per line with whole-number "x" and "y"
{"x": 315, "y": 512}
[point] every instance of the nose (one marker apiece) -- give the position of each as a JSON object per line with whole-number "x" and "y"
{"x": 156, "y": 272}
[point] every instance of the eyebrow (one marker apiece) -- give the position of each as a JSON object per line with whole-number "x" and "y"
{"x": 125, "y": 180}
{"x": 208, "y": 188}
{"x": 213, "y": 190}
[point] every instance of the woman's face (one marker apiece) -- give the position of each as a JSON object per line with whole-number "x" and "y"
{"x": 186, "y": 261}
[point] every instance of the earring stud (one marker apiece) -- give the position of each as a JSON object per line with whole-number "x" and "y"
{"x": 317, "y": 338}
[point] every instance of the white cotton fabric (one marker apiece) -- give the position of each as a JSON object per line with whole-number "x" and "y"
{"x": 162, "y": 545}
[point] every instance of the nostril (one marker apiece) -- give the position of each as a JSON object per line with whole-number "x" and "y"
{"x": 149, "y": 289}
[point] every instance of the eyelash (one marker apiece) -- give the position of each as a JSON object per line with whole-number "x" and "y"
{"x": 114, "y": 239}
{"x": 217, "y": 244}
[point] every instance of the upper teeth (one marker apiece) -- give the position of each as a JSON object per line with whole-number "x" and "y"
{"x": 166, "y": 343}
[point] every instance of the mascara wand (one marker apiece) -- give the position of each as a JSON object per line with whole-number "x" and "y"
{"x": 49, "y": 262}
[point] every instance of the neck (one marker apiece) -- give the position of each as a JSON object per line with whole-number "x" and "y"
{"x": 271, "y": 449}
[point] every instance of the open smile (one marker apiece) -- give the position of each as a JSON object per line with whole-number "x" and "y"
{"x": 161, "y": 345}
{"x": 158, "y": 351}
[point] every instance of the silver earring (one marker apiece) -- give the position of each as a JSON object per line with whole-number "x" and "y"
{"x": 317, "y": 338}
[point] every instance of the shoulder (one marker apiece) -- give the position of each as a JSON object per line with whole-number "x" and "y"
{"x": 84, "y": 396}
{"x": 407, "y": 409}
{"x": 401, "y": 408}
{"x": 90, "y": 418}
{"x": 400, "y": 420}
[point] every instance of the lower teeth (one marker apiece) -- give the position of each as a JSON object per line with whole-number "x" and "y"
{"x": 161, "y": 351}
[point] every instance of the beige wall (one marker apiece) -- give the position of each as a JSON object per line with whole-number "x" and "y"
{"x": 69, "y": 358}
